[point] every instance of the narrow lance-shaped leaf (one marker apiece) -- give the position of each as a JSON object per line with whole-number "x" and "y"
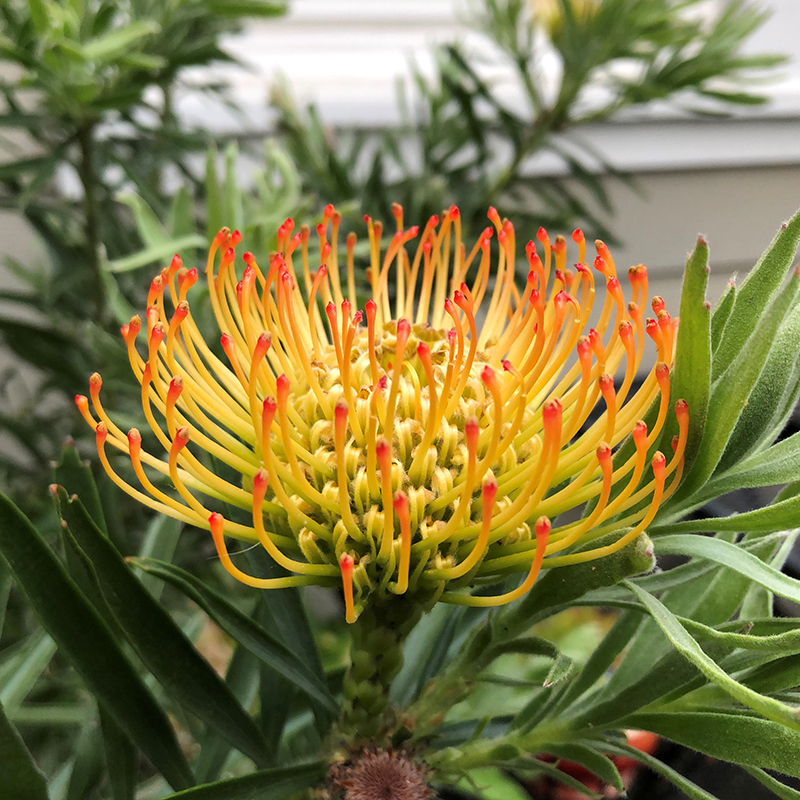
{"x": 20, "y": 777}
{"x": 269, "y": 784}
{"x": 691, "y": 380}
{"x": 757, "y": 289}
{"x": 86, "y": 640}
{"x": 161, "y": 644}
{"x": 691, "y": 650}
{"x": 247, "y": 632}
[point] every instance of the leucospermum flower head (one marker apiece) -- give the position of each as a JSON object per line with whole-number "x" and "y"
{"x": 416, "y": 445}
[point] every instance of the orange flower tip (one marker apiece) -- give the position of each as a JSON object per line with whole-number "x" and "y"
{"x": 489, "y": 490}
{"x": 305, "y": 233}
{"x": 101, "y": 431}
{"x": 400, "y": 502}
{"x": 541, "y": 235}
{"x": 229, "y": 255}
{"x": 341, "y": 410}
{"x": 370, "y": 308}
{"x": 640, "y": 432}
{"x": 606, "y": 383}
{"x": 283, "y": 386}
{"x": 351, "y": 239}
{"x": 412, "y": 231}
{"x": 658, "y": 303}
{"x": 222, "y": 235}
{"x": 134, "y": 435}
{"x": 674, "y": 443}
{"x": 346, "y": 308}
{"x": 321, "y": 229}
{"x": 448, "y": 306}
{"x": 584, "y": 348}
{"x": 453, "y": 212}
{"x": 403, "y": 330}
{"x": 95, "y": 381}
{"x": 147, "y": 374}
{"x": 577, "y": 235}
{"x": 189, "y": 279}
{"x": 659, "y": 462}
{"x": 507, "y": 365}
{"x": 336, "y": 218}
{"x": 236, "y": 237}
{"x": 216, "y": 523}
{"x": 181, "y": 311}
{"x": 328, "y": 211}
{"x": 382, "y": 383}
{"x": 625, "y": 330}
{"x": 488, "y": 375}
{"x": 551, "y": 410}
{"x": 181, "y": 436}
{"x": 560, "y": 243}
{"x": 493, "y": 215}
{"x": 367, "y": 218}
{"x": 603, "y": 453}
{"x": 472, "y": 430}
{"x": 681, "y": 408}
{"x": 377, "y": 226}
{"x": 650, "y": 327}
{"x": 502, "y": 237}
{"x": 383, "y": 452}
{"x": 158, "y": 333}
{"x": 175, "y": 389}
{"x": 542, "y": 528}
{"x": 434, "y": 220}
{"x": 358, "y": 318}
{"x": 561, "y": 299}
{"x": 452, "y": 336}
{"x": 262, "y": 345}
{"x": 175, "y": 264}
{"x": 346, "y": 564}
{"x": 260, "y": 481}
{"x": 82, "y": 402}
{"x": 600, "y": 265}
{"x": 662, "y": 371}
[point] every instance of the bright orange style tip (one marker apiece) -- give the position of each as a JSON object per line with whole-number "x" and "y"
{"x": 412, "y": 440}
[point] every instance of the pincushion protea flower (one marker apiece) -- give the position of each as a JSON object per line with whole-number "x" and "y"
{"x": 421, "y": 445}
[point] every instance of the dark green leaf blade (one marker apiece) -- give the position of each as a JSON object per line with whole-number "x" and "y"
{"x": 269, "y": 649}
{"x": 161, "y": 644}
{"x": 86, "y": 640}
{"x": 269, "y": 784}
{"x": 20, "y": 777}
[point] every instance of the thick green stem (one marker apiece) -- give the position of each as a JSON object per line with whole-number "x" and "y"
{"x": 376, "y": 658}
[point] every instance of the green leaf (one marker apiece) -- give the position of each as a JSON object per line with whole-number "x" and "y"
{"x": 248, "y": 633}
{"x": 180, "y": 222}
{"x": 494, "y": 784}
{"x": 147, "y": 223}
{"x": 775, "y": 394}
{"x": 779, "y": 516}
{"x": 116, "y": 43}
{"x": 20, "y": 777}
{"x": 26, "y": 674}
{"x": 86, "y": 640}
{"x": 159, "y": 543}
{"x": 269, "y": 784}
{"x": 758, "y": 288}
{"x": 691, "y": 379}
{"x": 721, "y": 312}
{"x": 734, "y": 558}
{"x": 740, "y": 739}
{"x": 690, "y": 789}
{"x": 232, "y": 211}
{"x": 76, "y": 477}
{"x": 120, "y": 756}
{"x": 160, "y": 643}
{"x": 247, "y": 8}
{"x": 729, "y": 395}
{"x": 779, "y": 789}
{"x": 688, "y": 647}
{"x": 214, "y": 213}
{"x": 598, "y": 764}
{"x": 157, "y": 252}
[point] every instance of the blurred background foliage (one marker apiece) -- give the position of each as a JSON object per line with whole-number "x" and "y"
{"x": 98, "y": 163}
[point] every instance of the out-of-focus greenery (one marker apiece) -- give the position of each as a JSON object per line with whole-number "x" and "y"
{"x": 88, "y": 89}
{"x": 470, "y": 141}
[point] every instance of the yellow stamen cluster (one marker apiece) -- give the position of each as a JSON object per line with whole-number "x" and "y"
{"x": 423, "y": 450}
